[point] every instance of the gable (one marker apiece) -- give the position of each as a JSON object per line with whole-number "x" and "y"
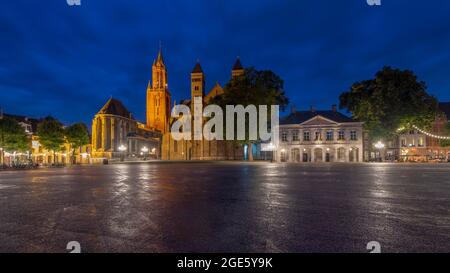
{"x": 216, "y": 90}
{"x": 319, "y": 120}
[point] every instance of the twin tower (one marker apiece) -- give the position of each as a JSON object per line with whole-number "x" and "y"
{"x": 159, "y": 98}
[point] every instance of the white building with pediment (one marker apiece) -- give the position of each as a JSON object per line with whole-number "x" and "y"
{"x": 320, "y": 136}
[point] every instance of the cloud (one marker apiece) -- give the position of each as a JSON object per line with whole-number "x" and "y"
{"x": 67, "y": 61}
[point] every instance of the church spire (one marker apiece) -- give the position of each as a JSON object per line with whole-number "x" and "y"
{"x": 237, "y": 64}
{"x": 238, "y": 69}
{"x": 160, "y": 59}
{"x": 197, "y": 68}
{"x": 158, "y": 96}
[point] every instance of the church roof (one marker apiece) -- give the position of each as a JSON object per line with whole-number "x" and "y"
{"x": 302, "y": 116}
{"x": 216, "y": 90}
{"x": 237, "y": 65}
{"x": 445, "y": 107}
{"x": 115, "y": 107}
{"x": 197, "y": 68}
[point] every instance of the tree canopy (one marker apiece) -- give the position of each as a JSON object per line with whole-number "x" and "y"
{"x": 254, "y": 87}
{"x": 77, "y": 135}
{"x": 12, "y": 136}
{"x": 446, "y": 142}
{"x": 393, "y": 101}
{"x": 51, "y": 134}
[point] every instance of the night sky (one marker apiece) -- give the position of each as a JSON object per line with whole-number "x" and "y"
{"x": 67, "y": 61}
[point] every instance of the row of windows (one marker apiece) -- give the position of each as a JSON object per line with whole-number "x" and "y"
{"x": 329, "y": 136}
{"x": 413, "y": 143}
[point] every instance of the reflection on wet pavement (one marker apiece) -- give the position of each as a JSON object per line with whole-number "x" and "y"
{"x": 227, "y": 207}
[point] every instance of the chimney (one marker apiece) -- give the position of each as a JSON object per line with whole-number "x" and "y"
{"x": 334, "y": 108}
{"x": 313, "y": 109}
{"x": 293, "y": 109}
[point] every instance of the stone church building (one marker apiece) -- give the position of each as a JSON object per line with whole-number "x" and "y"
{"x": 116, "y": 134}
{"x": 114, "y": 129}
{"x": 158, "y": 117}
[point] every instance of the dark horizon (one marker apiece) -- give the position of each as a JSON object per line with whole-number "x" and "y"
{"x": 68, "y": 61}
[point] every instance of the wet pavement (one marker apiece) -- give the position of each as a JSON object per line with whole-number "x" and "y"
{"x": 227, "y": 207}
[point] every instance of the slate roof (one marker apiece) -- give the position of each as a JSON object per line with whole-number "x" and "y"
{"x": 115, "y": 107}
{"x": 445, "y": 107}
{"x": 237, "y": 65}
{"x": 197, "y": 68}
{"x": 302, "y": 116}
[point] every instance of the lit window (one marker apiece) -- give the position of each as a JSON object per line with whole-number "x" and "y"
{"x": 329, "y": 135}
{"x": 341, "y": 135}
{"x": 420, "y": 142}
{"x": 403, "y": 142}
{"x": 306, "y": 136}
{"x": 318, "y": 136}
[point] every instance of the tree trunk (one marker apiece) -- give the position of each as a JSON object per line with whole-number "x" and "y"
{"x": 54, "y": 158}
{"x": 250, "y": 152}
{"x": 73, "y": 157}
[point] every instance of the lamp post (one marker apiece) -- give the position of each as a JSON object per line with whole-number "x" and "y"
{"x": 144, "y": 150}
{"x": 122, "y": 148}
{"x": 379, "y": 145}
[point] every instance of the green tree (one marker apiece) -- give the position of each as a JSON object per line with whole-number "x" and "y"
{"x": 12, "y": 137}
{"x": 51, "y": 135}
{"x": 446, "y": 142}
{"x": 254, "y": 87}
{"x": 391, "y": 102}
{"x": 77, "y": 135}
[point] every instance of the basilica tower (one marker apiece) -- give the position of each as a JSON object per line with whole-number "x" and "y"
{"x": 158, "y": 97}
{"x": 238, "y": 69}
{"x": 197, "y": 82}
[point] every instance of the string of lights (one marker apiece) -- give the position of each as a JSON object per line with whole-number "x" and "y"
{"x": 429, "y": 134}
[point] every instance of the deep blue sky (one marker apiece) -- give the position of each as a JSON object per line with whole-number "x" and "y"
{"x": 67, "y": 61}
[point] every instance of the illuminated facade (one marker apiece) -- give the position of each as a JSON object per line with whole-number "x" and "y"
{"x": 117, "y": 135}
{"x": 38, "y": 154}
{"x": 421, "y": 146}
{"x": 320, "y": 136}
{"x": 158, "y": 97}
{"x": 202, "y": 149}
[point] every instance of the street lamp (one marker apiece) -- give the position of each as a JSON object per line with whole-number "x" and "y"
{"x": 122, "y": 148}
{"x": 379, "y": 145}
{"x": 144, "y": 150}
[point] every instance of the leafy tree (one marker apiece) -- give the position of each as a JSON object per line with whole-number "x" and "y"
{"x": 254, "y": 87}
{"x": 51, "y": 135}
{"x": 77, "y": 135}
{"x": 12, "y": 137}
{"x": 391, "y": 102}
{"x": 446, "y": 142}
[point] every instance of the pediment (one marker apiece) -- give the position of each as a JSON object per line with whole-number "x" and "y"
{"x": 318, "y": 120}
